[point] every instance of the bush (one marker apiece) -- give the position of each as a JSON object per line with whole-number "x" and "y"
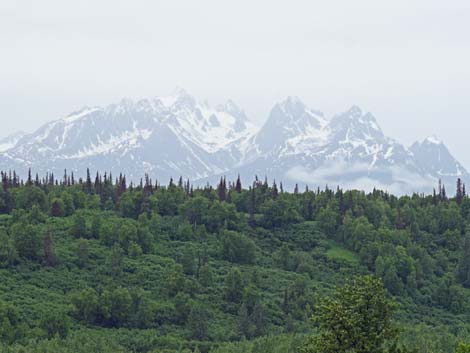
{"x": 238, "y": 248}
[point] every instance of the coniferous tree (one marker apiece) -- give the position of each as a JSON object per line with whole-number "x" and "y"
{"x": 285, "y": 302}
{"x": 258, "y": 318}
{"x": 310, "y": 209}
{"x": 30, "y": 180}
{"x": 97, "y": 184}
{"x": 27, "y": 240}
{"x": 49, "y": 254}
{"x": 444, "y": 194}
{"x": 57, "y": 207}
{"x": 5, "y": 182}
{"x": 463, "y": 268}
{"x": 205, "y": 276}
{"x": 115, "y": 260}
{"x": 296, "y": 189}
{"x": 198, "y": 322}
{"x": 274, "y": 193}
{"x": 252, "y": 207}
{"x": 434, "y": 197}
{"x": 222, "y": 189}
{"x": 440, "y": 190}
{"x": 459, "y": 194}
{"x": 88, "y": 182}
{"x": 265, "y": 185}
{"x": 238, "y": 185}
{"x": 187, "y": 187}
{"x": 233, "y": 286}
{"x": 245, "y": 326}
{"x": 79, "y": 228}
{"x": 81, "y": 252}
{"x": 15, "y": 180}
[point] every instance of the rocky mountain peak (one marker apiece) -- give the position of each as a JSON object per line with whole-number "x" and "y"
{"x": 177, "y": 135}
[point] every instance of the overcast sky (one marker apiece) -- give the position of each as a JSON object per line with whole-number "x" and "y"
{"x": 408, "y": 62}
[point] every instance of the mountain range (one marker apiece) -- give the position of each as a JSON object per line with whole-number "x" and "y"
{"x": 178, "y": 135}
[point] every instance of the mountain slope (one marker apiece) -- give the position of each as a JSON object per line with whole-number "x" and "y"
{"x": 166, "y": 136}
{"x": 432, "y": 155}
{"x": 350, "y": 150}
{"x": 10, "y": 141}
{"x": 178, "y": 136}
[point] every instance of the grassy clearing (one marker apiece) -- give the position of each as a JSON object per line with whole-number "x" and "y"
{"x": 337, "y": 252}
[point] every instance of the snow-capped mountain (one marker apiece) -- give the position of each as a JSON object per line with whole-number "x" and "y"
{"x": 10, "y": 141}
{"x": 162, "y": 136}
{"x": 291, "y": 126}
{"x": 300, "y": 145}
{"x": 179, "y": 136}
{"x": 432, "y": 155}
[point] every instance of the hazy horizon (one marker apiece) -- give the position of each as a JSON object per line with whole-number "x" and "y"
{"x": 405, "y": 63}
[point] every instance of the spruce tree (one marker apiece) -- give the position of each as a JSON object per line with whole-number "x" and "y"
{"x": 459, "y": 192}
{"x": 88, "y": 182}
{"x": 274, "y": 192}
{"x": 245, "y": 327}
{"x": 30, "y": 180}
{"x": 49, "y": 254}
{"x": 222, "y": 189}
{"x": 57, "y": 207}
{"x": 238, "y": 185}
{"x": 463, "y": 268}
{"x": 79, "y": 228}
{"x": 258, "y": 318}
{"x": 444, "y": 194}
{"x": 252, "y": 207}
{"x": 440, "y": 190}
{"x": 233, "y": 286}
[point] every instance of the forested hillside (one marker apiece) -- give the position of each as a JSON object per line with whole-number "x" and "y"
{"x": 102, "y": 265}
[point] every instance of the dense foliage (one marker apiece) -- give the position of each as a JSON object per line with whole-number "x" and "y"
{"x": 357, "y": 318}
{"x": 102, "y": 266}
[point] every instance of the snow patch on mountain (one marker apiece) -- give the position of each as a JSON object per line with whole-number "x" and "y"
{"x": 433, "y": 140}
{"x": 80, "y": 114}
{"x": 10, "y": 141}
{"x": 126, "y": 141}
{"x": 432, "y": 154}
{"x": 177, "y": 135}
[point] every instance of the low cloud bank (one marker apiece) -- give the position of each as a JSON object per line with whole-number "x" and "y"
{"x": 396, "y": 180}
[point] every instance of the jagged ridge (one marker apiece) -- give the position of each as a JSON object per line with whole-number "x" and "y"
{"x": 177, "y": 135}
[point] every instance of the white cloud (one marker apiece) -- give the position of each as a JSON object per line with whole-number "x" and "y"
{"x": 403, "y": 181}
